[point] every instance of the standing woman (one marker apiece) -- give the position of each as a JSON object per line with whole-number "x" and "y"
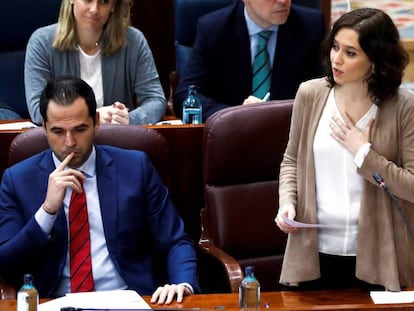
{"x": 93, "y": 40}
{"x": 346, "y": 127}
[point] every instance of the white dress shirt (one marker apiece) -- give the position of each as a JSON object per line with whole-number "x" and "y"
{"x": 91, "y": 73}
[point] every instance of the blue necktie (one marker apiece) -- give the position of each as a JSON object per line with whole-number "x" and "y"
{"x": 262, "y": 71}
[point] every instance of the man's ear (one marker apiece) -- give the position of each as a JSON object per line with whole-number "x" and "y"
{"x": 44, "y": 125}
{"x": 97, "y": 120}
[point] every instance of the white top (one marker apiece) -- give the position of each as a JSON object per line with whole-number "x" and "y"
{"x": 91, "y": 73}
{"x": 338, "y": 186}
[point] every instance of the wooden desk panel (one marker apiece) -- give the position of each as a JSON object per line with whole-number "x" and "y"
{"x": 311, "y": 300}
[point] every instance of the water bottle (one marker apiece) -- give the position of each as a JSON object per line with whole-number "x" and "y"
{"x": 27, "y": 296}
{"x": 249, "y": 290}
{"x": 192, "y": 108}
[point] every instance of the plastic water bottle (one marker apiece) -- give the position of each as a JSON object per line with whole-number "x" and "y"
{"x": 249, "y": 290}
{"x": 27, "y": 296}
{"x": 192, "y": 108}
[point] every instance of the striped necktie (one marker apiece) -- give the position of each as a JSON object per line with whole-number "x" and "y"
{"x": 81, "y": 277}
{"x": 262, "y": 71}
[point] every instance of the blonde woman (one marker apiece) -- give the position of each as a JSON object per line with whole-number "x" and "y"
{"x": 93, "y": 40}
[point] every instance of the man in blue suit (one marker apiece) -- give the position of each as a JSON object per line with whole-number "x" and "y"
{"x": 131, "y": 217}
{"x": 221, "y": 61}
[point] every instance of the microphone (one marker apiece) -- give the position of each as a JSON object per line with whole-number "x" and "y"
{"x": 384, "y": 187}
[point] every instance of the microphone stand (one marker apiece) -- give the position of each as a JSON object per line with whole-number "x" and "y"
{"x": 384, "y": 187}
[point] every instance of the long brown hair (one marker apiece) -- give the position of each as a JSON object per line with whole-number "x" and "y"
{"x": 114, "y": 35}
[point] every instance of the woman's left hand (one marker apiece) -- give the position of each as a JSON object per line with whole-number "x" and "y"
{"x": 348, "y": 135}
{"x": 120, "y": 113}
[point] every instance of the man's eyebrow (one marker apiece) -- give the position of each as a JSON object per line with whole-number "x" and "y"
{"x": 80, "y": 126}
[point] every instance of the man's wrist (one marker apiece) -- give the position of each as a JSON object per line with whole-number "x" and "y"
{"x": 47, "y": 210}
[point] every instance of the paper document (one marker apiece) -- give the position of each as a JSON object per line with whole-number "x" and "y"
{"x": 380, "y": 297}
{"x": 297, "y": 224}
{"x": 118, "y": 299}
{"x": 170, "y": 122}
{"x": 17, "y": 125}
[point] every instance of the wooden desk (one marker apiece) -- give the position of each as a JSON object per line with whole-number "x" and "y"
{"x": 311, "y": 300}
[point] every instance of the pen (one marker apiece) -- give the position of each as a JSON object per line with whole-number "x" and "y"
{"x": 266, "y": 97}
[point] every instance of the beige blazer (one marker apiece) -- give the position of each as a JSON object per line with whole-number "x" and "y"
{"x": 385, "y": 252}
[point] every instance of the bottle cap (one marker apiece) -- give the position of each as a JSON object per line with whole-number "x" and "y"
{"x": 28, "y": 278}
{"x": 249, "y": 269}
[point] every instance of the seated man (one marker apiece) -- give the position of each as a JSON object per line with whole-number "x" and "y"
{"x": 222, "y": 61}
{"x": 132, "y": 220}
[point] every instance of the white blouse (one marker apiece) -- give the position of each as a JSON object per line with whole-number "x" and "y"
{"x": 91, "y": 73}
{"x": 338, "y": 186}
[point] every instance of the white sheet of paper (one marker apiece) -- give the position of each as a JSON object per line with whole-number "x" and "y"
{"x": 170, "y": 122}
{"x": 381, "y": 297}
{"x": 17, "y": 125}
{"x": 118, "y": 299}
{"x": 297, "y": 224}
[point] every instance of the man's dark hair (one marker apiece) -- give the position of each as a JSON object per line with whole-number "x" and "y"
{"x": 64, "y": 90}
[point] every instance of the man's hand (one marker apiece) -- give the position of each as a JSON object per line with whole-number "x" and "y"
{"x": 252, "y": 100}
{"x": 59, "y": 180}
{"x": 165, "y": 294}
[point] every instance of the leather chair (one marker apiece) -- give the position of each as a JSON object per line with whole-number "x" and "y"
{"x": 18, "y": 20}
{"x": 136, "y": 137}
{"x": 243, "y": 147}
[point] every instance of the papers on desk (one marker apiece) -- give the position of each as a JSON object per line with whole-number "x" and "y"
{"x": 17, "y": 126}
{"x": 301, "y": 225}
{"x": 118, "y": 299}
{"x": 170, "y": 122}
{"x": 381, "y": 297}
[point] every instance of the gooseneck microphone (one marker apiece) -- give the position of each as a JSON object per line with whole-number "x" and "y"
{"x": 384, "y": 187}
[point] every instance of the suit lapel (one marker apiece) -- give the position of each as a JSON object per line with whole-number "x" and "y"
{"x": 108, "y": 192}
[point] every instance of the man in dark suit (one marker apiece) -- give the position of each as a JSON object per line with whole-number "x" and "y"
{"x": 131, "y": 217}
{"x": 221, "y": 61}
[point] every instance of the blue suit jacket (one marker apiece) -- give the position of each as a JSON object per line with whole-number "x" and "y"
{"x": 220, "y": 62}
{"x": 140, "y": 223}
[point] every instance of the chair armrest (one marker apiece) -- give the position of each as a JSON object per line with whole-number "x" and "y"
{"x": 7, "y": 290}
{"x": 231, "y": 265}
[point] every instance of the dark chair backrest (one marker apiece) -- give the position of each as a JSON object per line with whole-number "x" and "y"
{"x": 243, "y": 147}
{"x": 136, "y": 137}
{"x": 18, "y": 20}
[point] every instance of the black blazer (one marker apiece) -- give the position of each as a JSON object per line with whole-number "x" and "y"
{"x": 220, "y": 61}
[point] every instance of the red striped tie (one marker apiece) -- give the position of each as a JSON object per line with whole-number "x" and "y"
{"x": 81, "y": 278}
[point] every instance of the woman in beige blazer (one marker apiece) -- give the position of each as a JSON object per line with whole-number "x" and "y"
{"x": 346, "y": 127}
